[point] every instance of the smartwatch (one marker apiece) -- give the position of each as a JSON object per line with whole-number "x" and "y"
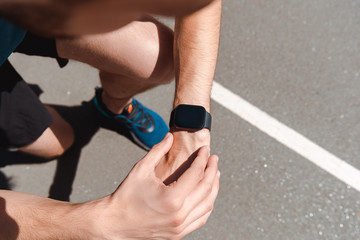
{"x": 190, "y": 117}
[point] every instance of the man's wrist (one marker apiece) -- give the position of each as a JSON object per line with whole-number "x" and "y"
{"x": 191, "y": 140}
{"x": 77, "y": 221}
{"x": 95, "y": 219}
{"x": 190, "y": 101}
{"x": 202, "y": 133}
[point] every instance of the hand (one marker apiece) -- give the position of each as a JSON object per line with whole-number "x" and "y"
{"x": 182, "y": 153}
{"x": 143, "y": 207}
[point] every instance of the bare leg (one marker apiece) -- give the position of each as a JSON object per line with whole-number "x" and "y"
{"x": 54, "y": 141}
{"x": 131, "y": 60}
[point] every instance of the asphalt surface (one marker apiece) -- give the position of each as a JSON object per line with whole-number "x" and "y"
{"x": 298, "y": 61}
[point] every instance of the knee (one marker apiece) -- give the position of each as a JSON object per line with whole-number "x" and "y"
{"x": 56, "y": 146}
{"x": 160, "y": 48}
{"x": 55, "y": 151}
{"x": 60, "y": 146}
{"x": 48, "y": 145}
{"x": 164, "y": 69}
{"x": 54, "y": 141}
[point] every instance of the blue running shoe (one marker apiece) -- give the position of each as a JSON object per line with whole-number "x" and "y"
{"x": 146, "y": 128}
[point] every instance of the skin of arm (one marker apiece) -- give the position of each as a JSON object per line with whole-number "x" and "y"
{"x": 142, "y": 207}
{"x": 179, "y": 208}
{"x": 26, "y": 216}
{"x": 195, "y": 55}
{"x": 65, "y": 18}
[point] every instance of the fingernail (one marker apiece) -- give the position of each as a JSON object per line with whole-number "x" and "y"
{"x": 167, "y": 136}
{"x": 218, "y": 174}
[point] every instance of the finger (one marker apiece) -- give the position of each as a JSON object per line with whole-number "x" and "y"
{"x": 193, "y": 175}
{"x": 158, "y": 151}
{"x": 205, "y": 207}
{"x": 205, "y": 187}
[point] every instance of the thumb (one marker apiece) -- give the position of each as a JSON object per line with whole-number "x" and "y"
{"x": 158, "y": 151}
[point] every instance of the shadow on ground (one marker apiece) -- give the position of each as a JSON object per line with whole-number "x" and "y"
{"x": 85, "y": 121}
{"x": 85, "y": 125}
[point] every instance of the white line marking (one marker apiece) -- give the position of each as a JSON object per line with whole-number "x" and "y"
{"x": 287, "y": 136}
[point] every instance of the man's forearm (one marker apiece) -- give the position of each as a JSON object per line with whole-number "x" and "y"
{"x": 59, "y": 18}
{"x": 26, "y": 216}
{"x": 195, "y": 52}
{"x": 142, "y": 207}
{"x": 195, "y": 55}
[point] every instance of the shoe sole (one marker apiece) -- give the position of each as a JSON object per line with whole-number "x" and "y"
{"x": 138, "y": 142}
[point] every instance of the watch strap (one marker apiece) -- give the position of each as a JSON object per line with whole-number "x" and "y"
{"x": 207, "y": 121}
{"x": 172, "y": 118}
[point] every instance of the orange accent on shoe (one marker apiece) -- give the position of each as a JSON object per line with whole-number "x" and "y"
{"x": 130, "y": 108}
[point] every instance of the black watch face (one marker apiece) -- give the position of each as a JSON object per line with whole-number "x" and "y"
{"x": 190, "y": 117}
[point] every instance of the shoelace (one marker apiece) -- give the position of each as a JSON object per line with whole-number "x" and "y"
{"x": 138, "y": 115}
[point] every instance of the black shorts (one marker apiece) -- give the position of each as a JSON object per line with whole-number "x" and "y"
{"x": 23, "y": 118}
